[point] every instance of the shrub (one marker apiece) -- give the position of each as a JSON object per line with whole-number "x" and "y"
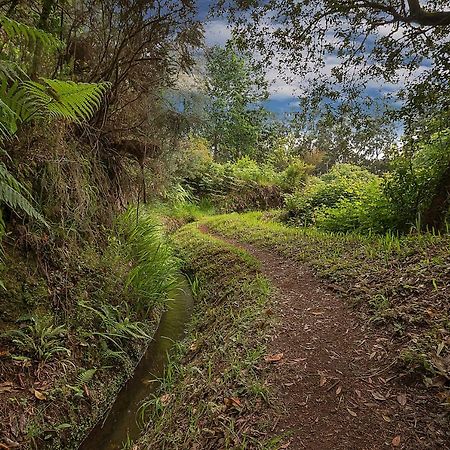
{"x": 414, "y": 179}
{"x": 346, "y": 198}
{"x": 295, "y": 175}
{"x": 370, "y": 211}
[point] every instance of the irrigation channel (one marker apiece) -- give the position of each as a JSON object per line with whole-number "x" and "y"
{"x": 120, "y": 424}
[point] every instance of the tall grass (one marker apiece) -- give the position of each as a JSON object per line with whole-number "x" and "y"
{"x": 154, "y": 270}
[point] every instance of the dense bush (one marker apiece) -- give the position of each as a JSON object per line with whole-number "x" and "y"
{"x": 346, "y": 198}
{"x": 415, "y": 179}
{"x": 241, "y": 185}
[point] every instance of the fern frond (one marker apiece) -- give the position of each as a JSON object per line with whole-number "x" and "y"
{"x": 10, "y": 193}
{"x": 31, "y": 35}
{"x": 10, "y": 70}
{"x": 85, "y": 376}
{"x": 65, "y": 99}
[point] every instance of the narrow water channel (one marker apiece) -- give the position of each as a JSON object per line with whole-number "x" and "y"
{"x": 120, "y": 423}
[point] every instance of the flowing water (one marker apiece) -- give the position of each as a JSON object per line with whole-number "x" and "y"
{"x": 121, "y": 424}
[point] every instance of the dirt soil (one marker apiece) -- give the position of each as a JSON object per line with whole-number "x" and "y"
{"x": 335, "y": 376}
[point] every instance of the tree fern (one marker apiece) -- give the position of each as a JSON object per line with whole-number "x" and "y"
{"x": 23, "y": 100}
{"x": 31, "y": 35}
{"x": 65, "y": 99}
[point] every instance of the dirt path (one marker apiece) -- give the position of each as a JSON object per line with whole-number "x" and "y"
{"x": 336, "y": 378}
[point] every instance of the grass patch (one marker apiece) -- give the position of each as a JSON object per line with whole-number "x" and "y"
{"x": 213, "y": 394}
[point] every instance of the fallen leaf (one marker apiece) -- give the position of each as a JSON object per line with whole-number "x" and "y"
{"x": 338, "y": 390}
{"x": 377, "y": 396}
{"x": 165, "y": 399}
{"x": 440, "y": 347}
{"x": 323, "y": 380}
{"x": 194, "y": 346}
{"x": 401, "y": 398}
{"x": 387, "y": 418}
{"x": 396, "y": 441}
{"x": 352, "y": 413}
{"x": 274, "y": 358}
{"x": 7, "y": 386}
{"x": 9, "y": 444}
{"x": 358, "y": 393}
{"x": 39, "y": 395}
{"x": 232, "y": 401}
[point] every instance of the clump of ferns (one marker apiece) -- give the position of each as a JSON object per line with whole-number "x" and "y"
{"x": 40, "y": 340}
{"x": 117, "y": 329}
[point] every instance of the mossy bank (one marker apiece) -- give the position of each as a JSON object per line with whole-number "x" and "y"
{"x": 74, "y": 323}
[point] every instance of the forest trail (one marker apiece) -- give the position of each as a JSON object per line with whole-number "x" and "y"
{"x": 333, "y": 374}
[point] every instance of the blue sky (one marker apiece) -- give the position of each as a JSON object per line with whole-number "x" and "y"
{"x": 284, "y": 95}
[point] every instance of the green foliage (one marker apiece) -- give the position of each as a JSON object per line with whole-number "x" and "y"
{"x": 68, "y": 100}
{"x": 41, "y": 340}
{"x": 344, "y": 181}
{"x": 83, "y": 378}
{"x": 154, "y": 271}
{"x": 117, "y": 326}
{"x": 295, "y": 175}
{"x": 346, "y": 198}
{"x": 11, "y": 194}
{"x": 241, "y": 185}
{"x": 235, "y": 87}
{"x": 31, "y": 35}
{"x": 414, "y": 179}
{"x": 23, "y": 100}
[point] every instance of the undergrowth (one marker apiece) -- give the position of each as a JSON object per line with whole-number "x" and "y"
{"x": 71, "y": 332}
{"x": 213, "y": 394}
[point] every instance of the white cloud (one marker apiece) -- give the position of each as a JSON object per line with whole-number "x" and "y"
{"x": 217, "y": 32}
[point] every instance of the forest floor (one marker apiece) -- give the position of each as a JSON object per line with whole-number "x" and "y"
{"x": 336, "y": 376}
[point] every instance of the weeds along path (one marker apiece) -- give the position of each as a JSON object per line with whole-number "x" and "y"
{"x": 332, "y": 376}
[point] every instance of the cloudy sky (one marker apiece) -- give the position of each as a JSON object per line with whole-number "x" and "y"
{"x": 283, "y": 95}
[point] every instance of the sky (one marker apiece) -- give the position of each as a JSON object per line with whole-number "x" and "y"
{"x": 283, "y": 95}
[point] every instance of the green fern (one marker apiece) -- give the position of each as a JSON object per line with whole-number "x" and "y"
{"x": 31, "y": 35}
{"x": 23, "y": 100}
{"x": 85, "y": 376}
{"x": 64, "y": 99}
{"x": 10, "y": 193}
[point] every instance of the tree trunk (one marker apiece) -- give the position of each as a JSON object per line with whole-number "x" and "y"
{"x": 434, "y": 216}
{"x": 47, "y": 7}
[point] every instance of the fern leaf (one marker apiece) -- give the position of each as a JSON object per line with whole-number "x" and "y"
{"x": 10, "y": 194}
{"x": 31, "y": 35}
{"x": 65, "y": 99}
{"x": 85, "y": 376}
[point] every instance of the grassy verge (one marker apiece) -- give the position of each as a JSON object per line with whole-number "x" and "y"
{"x": 72, "y": 327}
{"x": 401, "y": 283}
{"x": 213, "y": 394}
